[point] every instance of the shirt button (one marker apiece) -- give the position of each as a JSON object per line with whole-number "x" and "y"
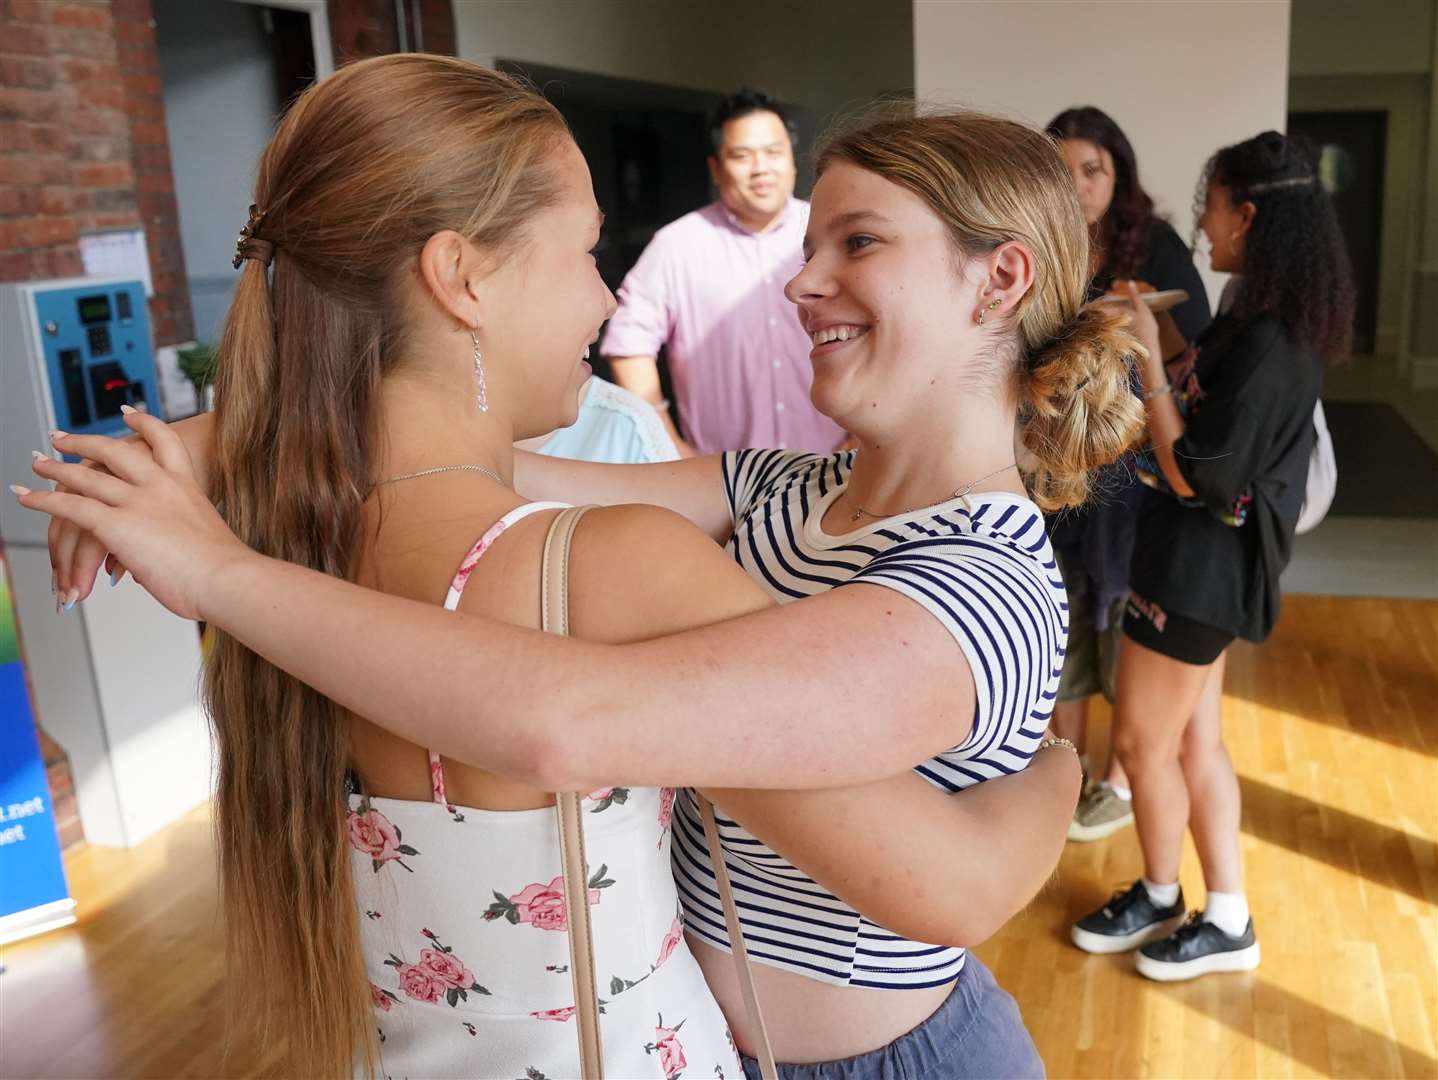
{"x": 778, "y": 363}
{"x": 773, "y": 321}
{"x": 779, "y": 406}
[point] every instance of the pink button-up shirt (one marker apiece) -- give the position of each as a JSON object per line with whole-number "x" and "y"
{"x": 714, "y": 293}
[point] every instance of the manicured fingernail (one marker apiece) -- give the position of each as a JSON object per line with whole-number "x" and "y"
{"x": 19, "y": 489}
{"x": 116, "y": 576}
{"x": 71, "y": 598}
{"x": 58, "y": 434}
{"x": 35, "y": 455}
{"x": 128, "y": 409}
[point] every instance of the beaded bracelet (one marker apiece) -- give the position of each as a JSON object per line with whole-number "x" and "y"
{"x": 1054, "y": 740}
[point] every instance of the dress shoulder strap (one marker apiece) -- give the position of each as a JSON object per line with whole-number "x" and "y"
{"x": 485, "y": 542}
{"x": 456, "y": 590}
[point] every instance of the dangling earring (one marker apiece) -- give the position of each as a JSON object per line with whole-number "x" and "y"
{"x": 991, "y": 307}
{"x": 482, "y": 394}
{"x": 1232, "y": 247}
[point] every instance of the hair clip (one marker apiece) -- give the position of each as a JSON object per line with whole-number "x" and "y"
{"x": 250, "y": 246}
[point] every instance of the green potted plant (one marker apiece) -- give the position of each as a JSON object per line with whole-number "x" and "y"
{"x": 197, "y": 363}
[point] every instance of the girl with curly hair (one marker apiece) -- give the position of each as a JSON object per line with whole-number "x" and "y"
{"x": 1231, "y": 421}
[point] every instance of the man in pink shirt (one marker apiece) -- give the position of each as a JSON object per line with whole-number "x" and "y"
{"x": 710, "y": 286}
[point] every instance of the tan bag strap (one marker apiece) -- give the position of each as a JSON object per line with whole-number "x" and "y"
{"x": 764, "y": 1052}
{"x": 554, "y": 607}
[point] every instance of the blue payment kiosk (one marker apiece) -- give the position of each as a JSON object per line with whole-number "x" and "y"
{"x": 96, "y": 342}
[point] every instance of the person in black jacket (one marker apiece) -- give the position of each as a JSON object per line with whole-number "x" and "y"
{"x": 1231, "y": 422}
{"x": 1094, "y": 544}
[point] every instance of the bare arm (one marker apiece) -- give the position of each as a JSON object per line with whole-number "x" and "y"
{"x": 708, "y": 706}
{"x": 640, "y": 375}
{"x": 730, "y": 705}
{"x": 604, "y": 712}
{"x": 914, "y": 858}
{"x": 693, "y": 487}
{"x": 1165, "y": 425}
{"x": 644, "y": 572}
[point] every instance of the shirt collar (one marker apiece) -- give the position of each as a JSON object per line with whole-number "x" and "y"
{"x": 786, "y": 217}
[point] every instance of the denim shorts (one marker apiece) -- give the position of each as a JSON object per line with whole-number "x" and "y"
{"x": 976, "y": 1033}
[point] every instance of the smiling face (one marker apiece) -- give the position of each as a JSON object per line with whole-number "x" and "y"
{"x": 885, "y": 300}
{"x": 754, "y": 168}
{"x": 541, "y": 342}
{"x": 1226, "y": 227}
{"x": 1091, "y": 167}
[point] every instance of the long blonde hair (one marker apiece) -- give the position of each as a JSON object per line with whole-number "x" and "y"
{"x": 365, "y": 167}
{"x": 992, "y": 180}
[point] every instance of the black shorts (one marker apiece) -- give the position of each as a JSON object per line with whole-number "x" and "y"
{"x": 1173, "y": 635}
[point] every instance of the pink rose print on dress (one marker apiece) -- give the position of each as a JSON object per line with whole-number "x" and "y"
{"x": 607, "y": 797}
{"x": 555, "y": 1014}
{"x": 446, "y": 968}
{"x": 666, "y": 1044}
{"x": 670, "y": 942}
{"x": 542, "y": 906}
{"x": 470, "y": 561}
{"x": 419, "y": 983}
{"x": 618, "y": 984}
{"x": 436, "y": 785}
{"x": 666, "y": 812}
{"x": 381, "y": 997}
{"x": 377, "y": 836}
{"x": 439, "y": 974}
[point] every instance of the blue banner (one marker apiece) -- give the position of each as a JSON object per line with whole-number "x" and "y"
{"x": 33, "y": 894}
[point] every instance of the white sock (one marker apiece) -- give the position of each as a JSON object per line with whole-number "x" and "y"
{"x": 1122, "y": 792}
{"x": 1228, "y": 911}
{"x": 1162, "y": 895}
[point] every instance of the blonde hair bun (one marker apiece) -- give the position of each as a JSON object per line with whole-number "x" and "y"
{"x": 1079, "y": 410}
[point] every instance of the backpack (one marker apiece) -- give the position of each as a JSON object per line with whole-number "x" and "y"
{"x": 1322, "y": 475}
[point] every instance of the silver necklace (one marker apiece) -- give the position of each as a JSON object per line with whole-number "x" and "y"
{"x": 442, "y": 469}
{"x": 859, "y": 511}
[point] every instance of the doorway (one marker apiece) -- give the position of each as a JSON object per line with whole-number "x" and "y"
{"x": 1351, "y": 166}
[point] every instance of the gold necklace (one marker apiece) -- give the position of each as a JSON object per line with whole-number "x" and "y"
{"x": 859, "y": 511}
{"x": 443, "y": 469}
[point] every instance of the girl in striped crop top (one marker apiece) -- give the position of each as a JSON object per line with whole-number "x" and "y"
{"x": 944, "y": 292}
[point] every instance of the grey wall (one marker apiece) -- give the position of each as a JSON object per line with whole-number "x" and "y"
{"x": 1182, "y": 78}
{"x": 217, "y": 70}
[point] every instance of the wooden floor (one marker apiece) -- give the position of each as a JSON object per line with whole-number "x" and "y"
{"x": 1332, "y": 728}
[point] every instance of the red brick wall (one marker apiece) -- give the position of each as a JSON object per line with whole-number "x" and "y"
{"x": 83, "y": 145}
{"x": 437, "y": 21}
{"x": 361, "y": 28}
{"x": 139, "y": 64}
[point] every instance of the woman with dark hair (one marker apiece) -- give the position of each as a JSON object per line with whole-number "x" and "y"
{"x": 1232, "y": 430}
{"x": 1094, "y": 544}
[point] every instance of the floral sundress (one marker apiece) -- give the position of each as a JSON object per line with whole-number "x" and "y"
{"x": 462, "y": 924}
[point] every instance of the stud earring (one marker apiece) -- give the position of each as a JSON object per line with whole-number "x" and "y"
{"x": 481, "y": 390}
{"x": 991, "y": 307}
